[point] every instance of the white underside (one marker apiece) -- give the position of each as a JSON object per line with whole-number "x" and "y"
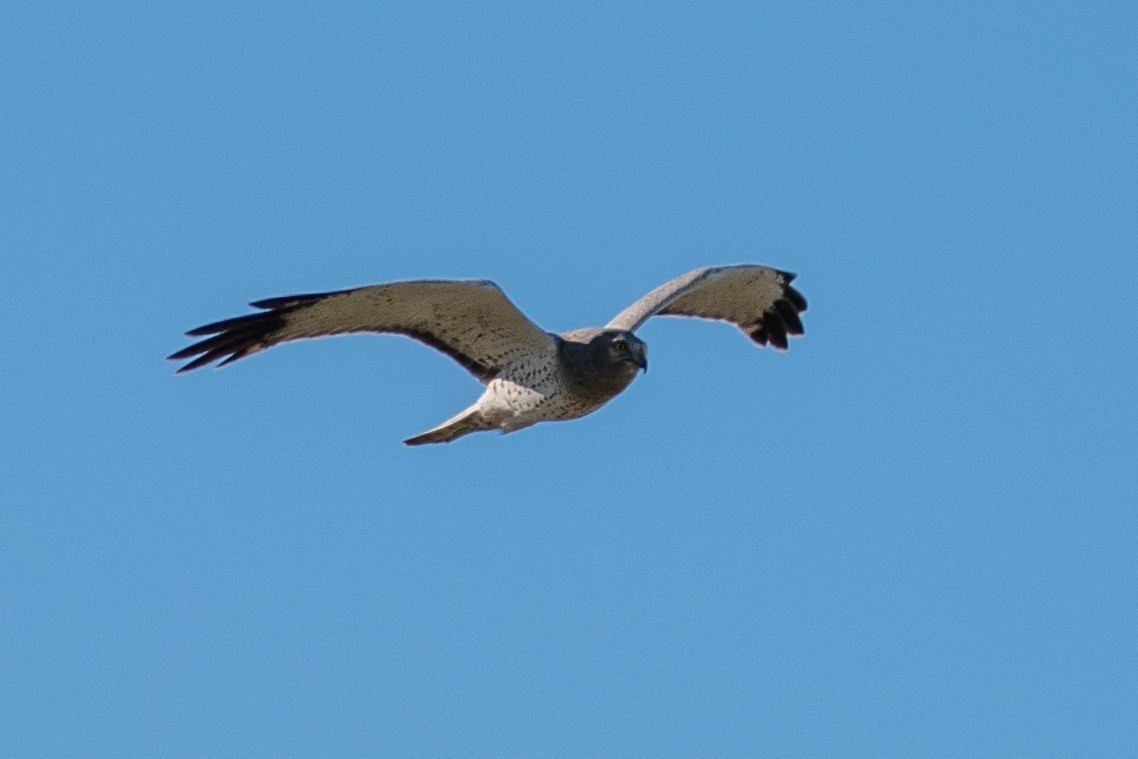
{"x": 509, "y": 406}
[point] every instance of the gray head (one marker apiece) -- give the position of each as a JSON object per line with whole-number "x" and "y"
{"x": 599, "y": 363}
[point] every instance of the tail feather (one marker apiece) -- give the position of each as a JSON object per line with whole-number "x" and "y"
{"x": 464, "y": 423}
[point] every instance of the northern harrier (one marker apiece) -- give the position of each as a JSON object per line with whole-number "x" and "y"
{"x": 530, "y": 375}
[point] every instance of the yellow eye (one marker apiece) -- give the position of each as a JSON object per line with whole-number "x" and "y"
{"x": 620, "y": 346}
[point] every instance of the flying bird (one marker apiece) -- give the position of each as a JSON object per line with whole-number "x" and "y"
{"x": 529, "y": 375}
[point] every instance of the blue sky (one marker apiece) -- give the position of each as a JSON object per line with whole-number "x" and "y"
{"x": 913, "y": 534}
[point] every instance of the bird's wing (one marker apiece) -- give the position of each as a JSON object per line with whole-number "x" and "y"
{"x": 757, "y": 299}
{"x": 471, "y": 321}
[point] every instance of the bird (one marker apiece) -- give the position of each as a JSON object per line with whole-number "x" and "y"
{"x": 529, "y": 375}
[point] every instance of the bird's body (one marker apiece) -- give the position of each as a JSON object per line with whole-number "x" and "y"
{"x": 529, "y": 375}
{"x": 572, "y": 380}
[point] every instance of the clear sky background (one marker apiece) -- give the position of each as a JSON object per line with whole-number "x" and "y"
{"x": 915, "y": 533}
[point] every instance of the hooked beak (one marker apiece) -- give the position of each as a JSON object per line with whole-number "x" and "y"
{"x": 640, "y": 355}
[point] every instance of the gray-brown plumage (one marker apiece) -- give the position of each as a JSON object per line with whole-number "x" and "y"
{"x": 530, "y": 375}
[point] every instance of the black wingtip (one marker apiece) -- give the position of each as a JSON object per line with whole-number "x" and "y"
{"x": 776, "y": 330}
{"x": 781, "y": 321}
{"x": 182, "y": 369}
{"x": 790, "y": 318}
{"x": 230, "y": 339}
{"x": 797, "y": 299}
{"x": 197, "y": 363}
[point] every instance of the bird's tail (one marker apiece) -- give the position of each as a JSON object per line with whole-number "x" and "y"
{"x": 461, "y": 424}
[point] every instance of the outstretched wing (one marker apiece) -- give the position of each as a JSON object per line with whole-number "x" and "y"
{"x": 757, "y": 299}
{"x": 471, "y": 321}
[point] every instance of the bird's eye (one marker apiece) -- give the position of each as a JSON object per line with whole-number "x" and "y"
{"x": 620, "y": 346}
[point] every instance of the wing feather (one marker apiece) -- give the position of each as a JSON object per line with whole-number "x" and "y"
{"x": 472, "y": 321}
{"x": 757, "y": 299}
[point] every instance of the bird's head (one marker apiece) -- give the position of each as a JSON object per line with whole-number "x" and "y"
{"x": 599, "y": 363}
{"x": 621, "y": 348}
